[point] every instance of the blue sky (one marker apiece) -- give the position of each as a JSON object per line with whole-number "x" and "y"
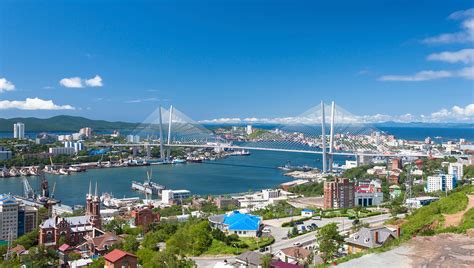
{"x": 118, "y": 60}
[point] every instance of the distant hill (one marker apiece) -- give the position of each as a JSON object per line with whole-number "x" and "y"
{"x": 63, "y": 123}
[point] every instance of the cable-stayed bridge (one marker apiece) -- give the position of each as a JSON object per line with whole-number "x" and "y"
{"x": 328, "y": 130}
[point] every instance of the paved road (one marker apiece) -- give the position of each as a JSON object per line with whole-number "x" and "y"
{"x": 307, "y": 239}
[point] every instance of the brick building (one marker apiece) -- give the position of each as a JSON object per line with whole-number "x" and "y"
{"x": 72, "y": 229}
{"x": 143, "y": 217}
{"x": 339, "y": 193}
{"x": 120, "y": 259}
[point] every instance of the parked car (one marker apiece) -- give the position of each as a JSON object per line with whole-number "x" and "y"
{"x": 266, "y": 230}
{"x": 297, "y": 244}
{"x": 316, "y": 218}
{"x": 314, "y": 225}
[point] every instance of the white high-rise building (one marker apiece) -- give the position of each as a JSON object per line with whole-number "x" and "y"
{"x": 249, "y": 129}
{"x": 8, "y": 217}
{"x": 19, "y": 131}
{"x": 133, "y": 139}
{"x": 456, "y": 170}
{"x": 86, "y": 131}
{"x": 441, "y": 182}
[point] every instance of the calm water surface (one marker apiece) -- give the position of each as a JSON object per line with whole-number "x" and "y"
{"x": 230, "y": 175}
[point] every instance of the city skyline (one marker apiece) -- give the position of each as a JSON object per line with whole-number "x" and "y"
{"x": 237, "y": 60}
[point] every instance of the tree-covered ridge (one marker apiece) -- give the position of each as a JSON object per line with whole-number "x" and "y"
{"x": 63, "y": 123}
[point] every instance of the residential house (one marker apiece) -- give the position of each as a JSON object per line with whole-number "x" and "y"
{"x": 307, "y": 213}
{"x": 120, "y": 259}
{"x": 373, "y": 237}
{"x": 293, "y": 255}
{"x": 395, "y": 191}
{"x": 234, "y": 222}
{"x": 249, "y": 259}
{"x": 100, "y": 244}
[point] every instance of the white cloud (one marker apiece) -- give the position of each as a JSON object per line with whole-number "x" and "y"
{"x": 420, "y": 76}
{"x": 73, "y": 82}
{"x": 6, "y": 85}
{"x": 456, "y": 113}
{"x": 33, "y": 104}
{"x": 461, "y": 14}
{"x": 466, "y": 35}
{"x": 467, "y": 73}
{"x": 77, "y": 82}
{"x": 464, "y": 55}
{"x": 141, "y": 100}
{"x": 94, "y": 82}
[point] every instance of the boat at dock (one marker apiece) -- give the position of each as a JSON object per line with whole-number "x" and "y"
{"x": 109, "y": 201}
{"x": 148, "y": 187}
{"x": 178, "y": 161}
{"x": 240, "y": 153}
{"x": 289, "y": 167}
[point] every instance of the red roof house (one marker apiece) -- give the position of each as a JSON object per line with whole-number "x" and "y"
{"x": 118, "y": 259}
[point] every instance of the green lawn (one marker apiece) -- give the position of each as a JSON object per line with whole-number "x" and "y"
{"x": 220, "y": 248}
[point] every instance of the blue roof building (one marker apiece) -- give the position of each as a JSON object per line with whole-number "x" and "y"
{"x": 237, "y": 223}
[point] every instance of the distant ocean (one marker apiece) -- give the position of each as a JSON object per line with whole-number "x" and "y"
{"x": 406, "y": 133}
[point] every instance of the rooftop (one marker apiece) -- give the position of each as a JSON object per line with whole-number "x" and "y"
{"x": 239, "y": 221}
{"x": 116, "y": 255}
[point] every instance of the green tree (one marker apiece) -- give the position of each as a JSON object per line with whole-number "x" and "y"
{"x": 329, "y": 240}
{"x": 115, "y": 225}
{"x": 294, "y": 231}
{"x": 130, "y": 243}
{"x": 193, "y": 238}
{"x": 97, "y": 263}
{"x": 266, "y": 260}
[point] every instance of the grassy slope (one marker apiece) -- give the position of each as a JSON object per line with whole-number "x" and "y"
{"x": 428, "y": 220}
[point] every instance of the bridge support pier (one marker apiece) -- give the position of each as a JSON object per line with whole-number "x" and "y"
{"x": 162, "y": 152}
{"x": 331, "y": 137}
{"x": 323, "y": 137}
{"x": 169, "y": 133}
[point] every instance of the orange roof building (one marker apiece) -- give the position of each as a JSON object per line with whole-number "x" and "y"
{"x": 120, "y": 259}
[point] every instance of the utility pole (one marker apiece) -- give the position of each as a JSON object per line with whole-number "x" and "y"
{"x": 323, "y": 137}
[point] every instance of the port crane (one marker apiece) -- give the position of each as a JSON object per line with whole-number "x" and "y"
{"x": 28, "y": 191}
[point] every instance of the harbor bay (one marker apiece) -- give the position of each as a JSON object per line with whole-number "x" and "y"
{"x": 234, "y": 174}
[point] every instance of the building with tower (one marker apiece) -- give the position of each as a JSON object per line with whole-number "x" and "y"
{"x": 72, "y": 230}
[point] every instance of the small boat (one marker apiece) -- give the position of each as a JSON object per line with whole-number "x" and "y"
{"x": 63, "y": 171}
{"x": 14, "y": 172}
{"x": 33, "y": 171}
{"x": 24, "y": 172}
{"x": 75, "y": 169}
{"x": 240, "y": 153}
{"x": 194, "y": 159}
{"x": 178, "y": 161}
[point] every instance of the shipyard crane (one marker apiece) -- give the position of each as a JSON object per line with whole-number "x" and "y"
{"x": 28, "y": 191}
